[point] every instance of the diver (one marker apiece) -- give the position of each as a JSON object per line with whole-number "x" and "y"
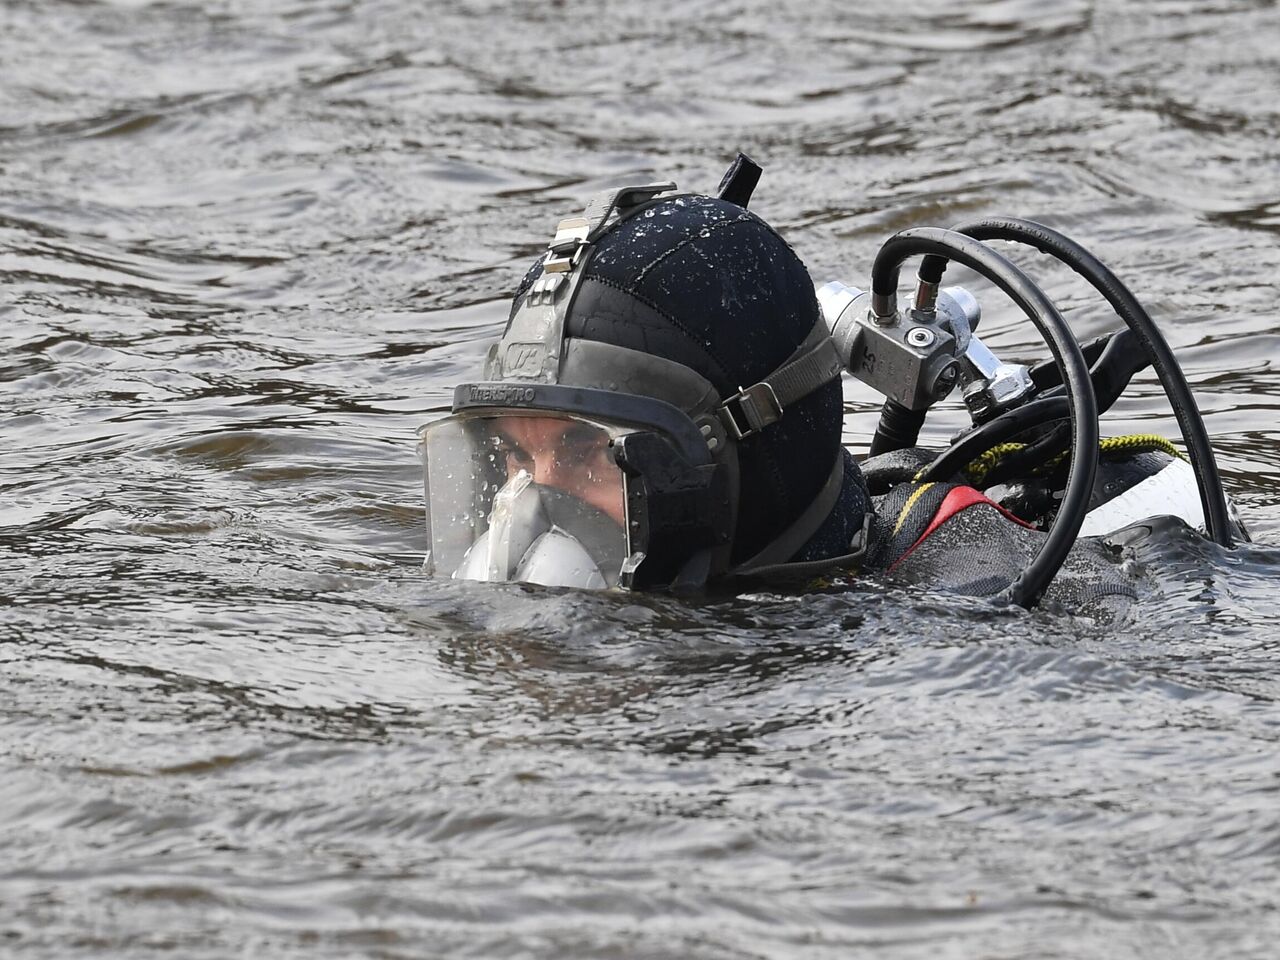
{"x": 664, "y": 410}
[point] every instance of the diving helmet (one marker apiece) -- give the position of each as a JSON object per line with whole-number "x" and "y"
{"x": 663, "y": 407}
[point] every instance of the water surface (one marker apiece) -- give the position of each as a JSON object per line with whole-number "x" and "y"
{"x": 247, "y": 247}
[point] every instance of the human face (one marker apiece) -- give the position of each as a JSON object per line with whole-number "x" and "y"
{"x": 566, "y": 454}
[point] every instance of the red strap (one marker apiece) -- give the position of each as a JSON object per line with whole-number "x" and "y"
{"x": 959, "y": 499}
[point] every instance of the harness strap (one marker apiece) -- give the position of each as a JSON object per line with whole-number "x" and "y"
{"x": 806, "y": 569}
{"x": 814, "y": 363}
{"x": 784, "y": 546}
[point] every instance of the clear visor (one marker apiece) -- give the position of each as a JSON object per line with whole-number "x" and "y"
{"x": 533, "y": 497}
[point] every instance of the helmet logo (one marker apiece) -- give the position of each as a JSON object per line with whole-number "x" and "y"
{"x": 500, "y": 393}
{"x": 523, "y": 359}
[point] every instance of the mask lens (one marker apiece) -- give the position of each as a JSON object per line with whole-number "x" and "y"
{"x": 517, "y": 496}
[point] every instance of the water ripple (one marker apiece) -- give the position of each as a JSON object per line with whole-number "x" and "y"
{"x": 247, "y": 248}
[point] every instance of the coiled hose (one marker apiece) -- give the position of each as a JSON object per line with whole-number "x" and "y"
{"x": 1194, "y": 434}
{"x": 947, "y": 245}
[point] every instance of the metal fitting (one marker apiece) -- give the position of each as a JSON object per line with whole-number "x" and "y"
{"x": 903, "y": 362}
{"x": 884, "y": 309}
{"x": 946, "y": 381}
{"x": 965, "y": 302}
{"x": 994, "y": 385}
{"x": 926, "y": 298}
{"x": 921, "y": 337}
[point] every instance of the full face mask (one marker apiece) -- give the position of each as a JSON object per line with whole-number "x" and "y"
{"x": 541, "y": 495}
{"x": 582, "y": 462}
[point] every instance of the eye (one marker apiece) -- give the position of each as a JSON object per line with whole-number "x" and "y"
{"x": 581, "y": 442}
{"x": 511, "y": 451}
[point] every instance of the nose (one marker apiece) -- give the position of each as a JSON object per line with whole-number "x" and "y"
{"x": 548, "y": 471}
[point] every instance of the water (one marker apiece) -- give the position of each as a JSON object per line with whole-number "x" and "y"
{"x": 247, "y": 247}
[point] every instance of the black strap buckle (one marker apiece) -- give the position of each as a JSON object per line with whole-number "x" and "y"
{"x": 750, "y": 410}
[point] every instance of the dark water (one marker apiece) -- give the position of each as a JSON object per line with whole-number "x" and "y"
{"x": 247, "y": 247}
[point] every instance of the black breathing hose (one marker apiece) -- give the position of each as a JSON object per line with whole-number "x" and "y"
{"x": 977, "y": 442}
{"x": 1047, "y": 240}
{"x": 947, "y": 245}
{"x": 899, "y": 427}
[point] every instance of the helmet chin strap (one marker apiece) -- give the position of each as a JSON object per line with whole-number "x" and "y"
{"x": 785, "y": 546}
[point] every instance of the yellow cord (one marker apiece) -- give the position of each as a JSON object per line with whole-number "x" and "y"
{"x": 911, "y": 502}
{"x": 980, "y": 467}
{"x": 1139, "y": 443}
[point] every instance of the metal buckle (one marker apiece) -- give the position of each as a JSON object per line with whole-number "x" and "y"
{"x": 750, "y": 410}
{"x": 566, "y": 246}
{"x": 861, "y": 541}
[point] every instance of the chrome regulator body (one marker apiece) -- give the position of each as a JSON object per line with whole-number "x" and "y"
{"x": 916, "y": 352}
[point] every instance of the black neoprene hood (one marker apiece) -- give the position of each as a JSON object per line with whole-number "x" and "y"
{"x": 705, "y": 283}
